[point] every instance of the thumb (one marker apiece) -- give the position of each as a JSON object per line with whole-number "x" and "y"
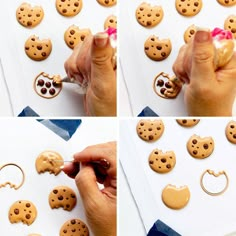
{"x": 101, "y": 54}
{"x": 203, "y": 56}
{"x": 87, "y": 185}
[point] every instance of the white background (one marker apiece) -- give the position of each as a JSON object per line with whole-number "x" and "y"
{"x": 22, "y": 140}
{"x": 20, "y": 71}
{"x": 138, "y": 70}
{"x": 204, "y": 215}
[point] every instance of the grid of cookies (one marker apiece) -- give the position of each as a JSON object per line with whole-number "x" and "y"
{"x": 42, "y": 37}
{"x": 157, "y": 31}
{"x": 172, "y": 158}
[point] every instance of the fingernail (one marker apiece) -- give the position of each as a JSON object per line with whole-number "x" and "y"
{"x": 101, "y": 39}
{"x": 202, "y": 35}
{"x": 62, "y": 167}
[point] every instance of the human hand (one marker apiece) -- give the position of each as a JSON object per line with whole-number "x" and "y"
{"x": 99, "y": 204}
{"x": 208, "y": 92}
{"x": 91, "y": 63}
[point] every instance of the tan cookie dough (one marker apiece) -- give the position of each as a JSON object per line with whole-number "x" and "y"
{"x": 189, "y": 33}
{"x": 230, "y": 132}
{"x": 74, "y": 36}
{"x": 34, "y": 235}
{"x": 188, "y": 122}
{"x": 22, "y": 211}
{"x": 227, "y": 3}
{"x": 50, "y": 161}
{"x": 37, "y": 49}
{"x": 110, "y": 22}
{"x": 62, "y": 196}
{"x": 157, "y": 49}
{"x": 29, "y": 16}
{"x": 200, "y": 148}
{"x": 107, "y": 3}
{"x": 230, "y": 24}
{"x": 69, "y": 7}
{"x": 150, "y": 130}
{"x": 74, "y": 227}
{"x": 174, "y": 197}
{"x": 148, "y": 15}
{"x": 188, "y": 7}
{"x": 162, "y": 162}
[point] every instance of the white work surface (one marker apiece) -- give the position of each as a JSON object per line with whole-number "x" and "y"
{"x": 204, "y": 215}
{"x": 22, "y": 140}
{"x": 20, "y": 71}
{"x": 138, "y": 70}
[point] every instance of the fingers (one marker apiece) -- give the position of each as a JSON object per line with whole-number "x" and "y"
{"x": 202, "y": 57}
{"x": 71, "y": 169}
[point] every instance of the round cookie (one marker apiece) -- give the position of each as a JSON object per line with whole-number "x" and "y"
{"x": 150, "y": 130}
{"x": 189, "y": 33}
{"x": 69, "y": 7}
{"x": 175, "y": 198}
{"x": 162, "y": 162}
{"x": 230, "y": 24}
{"x": 110, "y": 22}
{"x": 188, "y": 7}
{"x": 227, "y": 3}
{"x": 188, "y": 122}
{"x": 74, "y": 227}
{"x": 22, "y": 211}
{"x": 230, "y": 132}
{"x": 74, "y": 36}
{"x": 34, "y": 235}
{"x": 157, "y": 49}
{"x": 149, "y": 16}
{"x": 62, "y": 196}
{"x": 107, "y": 3}
{"x": 200, "y": 148}
{"x": 49, "y": 161}
{"x": 29, "y": 16}
{"x": 37, "y": 49}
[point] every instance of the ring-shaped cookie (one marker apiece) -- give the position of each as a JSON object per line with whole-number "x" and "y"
{"x": 9, "y": 183}
{"x": 211, "y": 172}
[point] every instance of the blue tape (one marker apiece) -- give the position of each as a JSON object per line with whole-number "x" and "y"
{"x": 147, "y": 111}
{"x": 27, "y": 111}
{"x": 161, "y": 229}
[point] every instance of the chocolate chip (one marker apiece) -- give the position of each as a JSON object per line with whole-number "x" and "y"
{"x": 168, "y": 166}
{"x": 44, "y": 54}
{"x": 72, "y": 222}
{"x": 167, "y": 84}
{"x": 28, "y": 216}
{"x": 205, "y": 146}
{"x": 64, "y": 231}
{"x": 55, "y": 191}
{"x": 72, "y": 32}
{"x": 52, "y": 91}
{"x": 195, "y": 152}
{"x": 60, "y": 198}
{"x": 150, "y": 137}
{"x": 43, "y": 90}
{"x": 160, "y": 82}
{"x": 232, "y": 126}
{"x": 163, "y": 90}
{"x": 156, "y": 153}
{"x": 16, "y": 211}
{"x": 194, "y": 141}
{"x": 163, "y": 160}
{"x": 72, "y": 195}
{"x": 163, "y": 54}
{"x": 40, "y": 82}
{"x": 234, "y": 136}
{"x": 29, "y": 23}
{"x": 184, "y": 121}
{"x": 48, "y": 84}
{"x": 27, "y": 205}
{"x": 192, "y": 32}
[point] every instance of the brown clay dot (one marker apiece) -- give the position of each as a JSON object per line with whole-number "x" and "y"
{"x": 196, "y": 4}
{"x": 163, "y": 90}
{"x": 194, "y": 141}
{"x": 168, "y": 166}
{"x": 192, "y": 32}
{"x": 160, "y": 82}
{"x": 55, "y": 191}
{"x": 28, "y": 216}
{"x": 150, "y": 129}
{"x": 40, "y": 82}
{"x": 52, "y": 91}
{"x": 163, "y": 160}
{"x": 195, "y": 152}
{"x": 72, "y": 222}
{"x": 163, "y": 54}
{"x": 234, "y": 136}
{"x": 73, "y": 230}
{"x": 159, "y": 47}
{"x": 150, "y": 162}
{"x": 27, "y": 205}
{"x": 82, "y": 37}
{"x": 39, "y": 47}
{"x": 142, "y": 124}
{"x": 184, "y": 121}
{"x": 67, "y": 206}
{"x": 29, "y": 23}
{"x": 205, "y": 146}
{"x": 76, "y": 4}
{"x": 64, "y": 231}
{"x": 72, "y": 32}
{"x": 48, "y": 84}
{"x": 71, "y": 43}
{"x": 16, "y": 211}
{"x": 38, "y": 15}
{"x": 26, "y": 48}
{"x": 184, "y": 10}
{"x": 60, "y": 198}
{"x": 64, "y": 11}
{"x": 44, "y": 54}
{"x": 167, "y": 84}
{"x": 43, "y": 90}
{"x": 150, "y": 137}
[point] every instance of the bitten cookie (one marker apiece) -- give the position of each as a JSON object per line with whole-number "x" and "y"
{"x": 162, "y": 162}
{"x": 22, "y": 211}
{"x": 62, "y": 196}
{"x": 230, "y": 24}
{"x": 200, "y": 147}
{"x": 74, "y": 35}
{"x": 49, "y": 161}
{"x": 150, "y": 130}
{"x": 187, "y": 122}
{"x": 107, "y": 3}
{"x": 157, "y": 49}
{"x": 69, "y": 7}
{"x": 110, "y": 22}
{"x": 37, "y": 49}
{"x": 227, "y": 3}
{"x": 189, "y": 33}
{"x": 174, "y": 197}
{"x": 230, "y": 131}
{"x": 149, "y": 16}
{"x": 188, "y": 7}
{"x": 29, "y": 16}
{"x": 74, "y": 227}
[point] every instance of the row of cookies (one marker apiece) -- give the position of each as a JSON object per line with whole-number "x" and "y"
{"x": 39, "y": 49}
{"x": 59, "y": 197}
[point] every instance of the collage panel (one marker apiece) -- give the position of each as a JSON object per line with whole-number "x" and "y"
{"x": 56, "y": 54}
{"x": 177, "y": 176}
{"x": 177, "y": 58}
{"x": 58, "y": 177}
